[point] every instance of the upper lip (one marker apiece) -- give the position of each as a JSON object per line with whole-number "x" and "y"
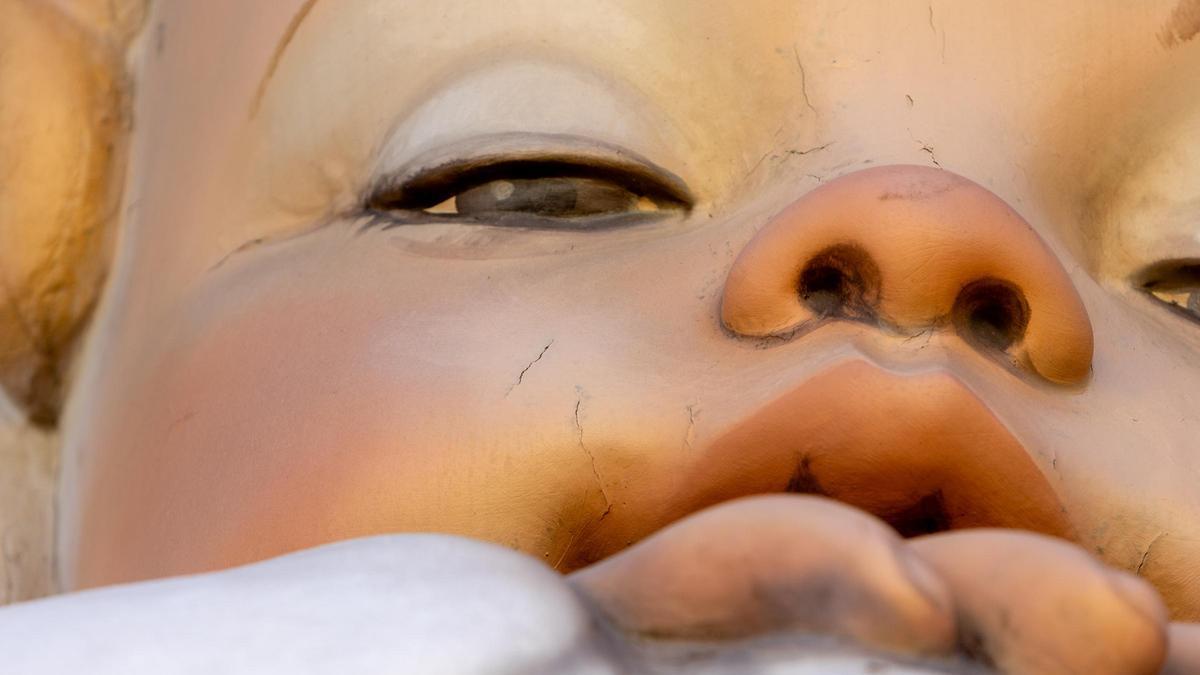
{"x": 919, "y": 451}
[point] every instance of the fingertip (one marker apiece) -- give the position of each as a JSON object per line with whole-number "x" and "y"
{"x": 1042, "y": 605}
{"x": 1183, "y": 656}
{"x": 1140, "y": 596}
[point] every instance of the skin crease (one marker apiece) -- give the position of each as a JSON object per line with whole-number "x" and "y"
{"x": 265, "y": 374}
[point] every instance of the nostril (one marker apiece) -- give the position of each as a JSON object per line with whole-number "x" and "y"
{"x": 841, "y": 281}
{"x": 824, "y": 289}
{"x": 909, "y": 250}
{"x": 991, "y": 313}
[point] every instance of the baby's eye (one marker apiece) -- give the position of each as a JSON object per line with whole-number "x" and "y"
{"x": 551, "y": 197}
{"x": 552, "y": 193}
{"x": 1176, "y": 284}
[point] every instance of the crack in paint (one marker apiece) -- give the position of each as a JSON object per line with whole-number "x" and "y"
{"x": 592, "y": 459}
{"x": 932, "y": 157}
{"x": 1146, "y": 555}
{"x": 521, "y": 377}
{"x": 803, "y": 80}
{"x": 800, "y": 153}
{"x": 690, "y": 433}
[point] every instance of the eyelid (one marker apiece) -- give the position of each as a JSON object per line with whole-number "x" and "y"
{"x": 432, "y": 178}
{"x": 1169, "y": 274}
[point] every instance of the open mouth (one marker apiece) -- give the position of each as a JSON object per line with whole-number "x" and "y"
{"x": 920, "y": 452}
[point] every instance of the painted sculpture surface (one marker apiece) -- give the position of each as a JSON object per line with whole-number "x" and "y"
{"x": 651, "y": 336}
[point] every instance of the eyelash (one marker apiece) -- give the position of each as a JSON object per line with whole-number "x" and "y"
{"x": 394, "y": 202}
{"x": 1174, "y": 284}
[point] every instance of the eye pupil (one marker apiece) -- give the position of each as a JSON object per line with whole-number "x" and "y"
{"x": 555, "y": 197}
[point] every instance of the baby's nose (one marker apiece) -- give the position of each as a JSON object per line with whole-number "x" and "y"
{"x": 909, "y": 249}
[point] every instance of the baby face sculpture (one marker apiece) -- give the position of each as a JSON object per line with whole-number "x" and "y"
{"x": 558, "y": 276}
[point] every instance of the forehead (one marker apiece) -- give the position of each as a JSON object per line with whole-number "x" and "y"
{"x": 258, "y": 117}
{"x": 674, "y": 40}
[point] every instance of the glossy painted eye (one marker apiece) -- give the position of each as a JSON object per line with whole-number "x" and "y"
{"x": 556, "y": 193}
{"x": 1176, "y": 284}
{"x": 1186, "y": 299}
{"x": 551, "y": 197}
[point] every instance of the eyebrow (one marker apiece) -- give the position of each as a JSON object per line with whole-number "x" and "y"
{"x": 277, "y": 56}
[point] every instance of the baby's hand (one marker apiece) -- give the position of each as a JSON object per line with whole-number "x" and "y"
{"x": 763, "y": 585}
{"x": 1013, "y": 601}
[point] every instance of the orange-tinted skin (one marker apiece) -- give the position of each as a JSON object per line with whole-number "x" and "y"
{"x": 267, "y": 373}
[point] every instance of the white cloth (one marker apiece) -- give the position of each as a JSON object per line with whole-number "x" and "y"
{"x": 414, "y": 603}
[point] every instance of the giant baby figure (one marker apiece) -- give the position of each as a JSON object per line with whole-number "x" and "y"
{"x": 634, "y": 336}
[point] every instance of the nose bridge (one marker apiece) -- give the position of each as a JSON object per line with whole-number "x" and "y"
{"x": 923, "y": 248}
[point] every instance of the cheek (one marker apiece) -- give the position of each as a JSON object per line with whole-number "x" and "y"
{"x": 331, "y": 388}
{"x": 309, "y": 418}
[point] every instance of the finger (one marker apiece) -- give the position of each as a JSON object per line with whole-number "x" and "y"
{"x": 1032, "y": 604}
{"x": 776, "y": 563}
{"x": 1183, "y": 655}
